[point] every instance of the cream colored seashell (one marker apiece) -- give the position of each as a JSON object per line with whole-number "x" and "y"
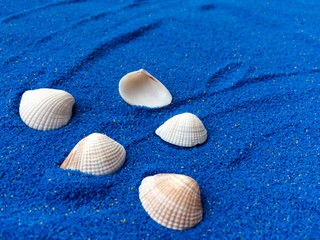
{"x": 172, "y": 200}
{"x": 185, "y": 130}
{"x": 142, "y": 89}
{"x": 46, "y": 109}
{"x": 96, "y": 154}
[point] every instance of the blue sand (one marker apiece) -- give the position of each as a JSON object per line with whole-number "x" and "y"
{"x": 248, "y": 69}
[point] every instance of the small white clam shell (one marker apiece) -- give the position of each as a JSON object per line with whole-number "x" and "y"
{"x": 140, "y": 88}
{"x": 172, "y": 200}
{"x": 46, "y": 109}
{"x": 185, "y": 130}
{"x": 96, "y": 154}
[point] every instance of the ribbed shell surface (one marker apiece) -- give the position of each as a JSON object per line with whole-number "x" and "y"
{"x": 172, "y": 200}
{"x": 185, "y": 130}
{"x": 46, "y": 109}
{"x": 96, "y": 154}
{"x": 140, "y": 88}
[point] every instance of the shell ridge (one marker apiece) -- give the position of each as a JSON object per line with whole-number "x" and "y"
{"x": 72, "y": 159}
{"x": 176, "y": 213}
{"x": 116, "y": 155}
{"x": 38, "y": 108}
{"x": 36, "y": 111}
{"x": 161, "y": 196}
{"x": 51, "y": 114}
{"x": 190, "y": 218}
{"x": 90, "y": 155}
{"x": 171, "y": 200}
{"x": 101, "y": 151}
{"x": 185, "y": 130}
{"x": 100, "y": 155}
{"x": 116, "y": 165}
{"x": 158, "y": 202}
{"x": 86, "y": 159}
{"x": 193, "y": 218}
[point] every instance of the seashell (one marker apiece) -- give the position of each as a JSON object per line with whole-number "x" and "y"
{"x": 185, "y": 130}
{"x": 172, "y": 200}
{"x": 46, "y": 109}
{"x": 96, "y": 154}
{"x": 142, "y": 89}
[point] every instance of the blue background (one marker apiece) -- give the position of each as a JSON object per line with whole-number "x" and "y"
{"x": 248, "y": 69}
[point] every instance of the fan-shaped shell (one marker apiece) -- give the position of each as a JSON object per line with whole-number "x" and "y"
{"x": 142, "y": 89}
{"x": 46, "y": 109}
{"x": 185, "y": 130}
{"x": 172, "y": 200}
{"x": 96, "y": 154}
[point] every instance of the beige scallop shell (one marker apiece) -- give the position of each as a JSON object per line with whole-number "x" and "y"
{"x": 140, "y": 88}
{"x": 46, "y": 109}
{"x": 185, "y": 130}
{"x": 172, "y": 200}
{"x": 96, "y": 154}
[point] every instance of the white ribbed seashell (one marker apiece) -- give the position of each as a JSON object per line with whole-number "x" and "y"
{"x": 172, "y": 200}
{"x": 96, "y": 154}
{"x": 45, "y": 108}
{"x": 185, "y": 130}
{"x": 140, "y": 88}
